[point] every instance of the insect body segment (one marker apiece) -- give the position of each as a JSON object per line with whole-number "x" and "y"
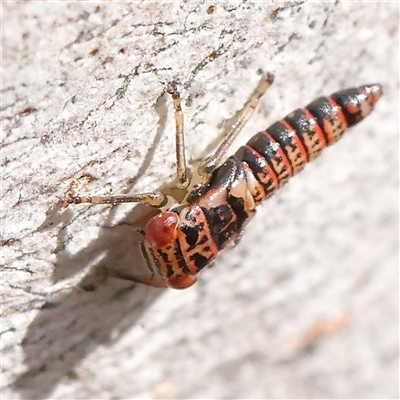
{"x": 180, "y": 242}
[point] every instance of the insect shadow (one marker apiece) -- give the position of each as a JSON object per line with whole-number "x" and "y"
{"x": 71, "y": 326}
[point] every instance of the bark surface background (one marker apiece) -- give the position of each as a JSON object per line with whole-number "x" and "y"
{"x": 306, "y": 306}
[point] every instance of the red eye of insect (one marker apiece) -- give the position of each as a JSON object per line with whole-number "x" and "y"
{"x": 182, "y": 282}
{"x": 160, "y": 230}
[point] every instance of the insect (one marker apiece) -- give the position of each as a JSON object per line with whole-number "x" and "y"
{"x": 186, "y": 237}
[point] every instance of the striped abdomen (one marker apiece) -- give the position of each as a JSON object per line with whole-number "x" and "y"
{"x": 180, "y": 242}
{"x": 287, "y": 145}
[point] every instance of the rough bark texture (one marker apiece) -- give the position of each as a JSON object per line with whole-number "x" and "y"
{"x": 306, "y": 306}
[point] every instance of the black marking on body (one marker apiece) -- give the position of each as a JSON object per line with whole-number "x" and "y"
{"x": 179, "y": 257}
{"x": 322, "y": 110}
{"x": 218, "y": 218}
{"x": 281, "y": 134}
{"x": 203, "y": 240}
{"x": 349, "y": 98}
{"x": 156, "y": 262}
{"x": 226, "y": 174}
{"x": 257, "y": 166}
{"x": 199, "y": 260}
{"x": 191, "y": 234}
{"x": 164, "y": 256}
{"x": 167, "y": 262}
{"x": 238, "y": 207}
{"x": 236, "y": 226}
{"x": 269, "y": 150}
{"x": 170, "y": 270}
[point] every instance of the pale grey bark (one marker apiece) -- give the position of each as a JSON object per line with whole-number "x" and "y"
{"x": 306, "y": 306}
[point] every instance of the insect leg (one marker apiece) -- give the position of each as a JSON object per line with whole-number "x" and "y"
{"x": 212, "y": 162}
{"x": 182, "y": 171}
{"x": 156, "y": 199}
{"x": 93, "y": 281}
{"x": 152, "y": 281}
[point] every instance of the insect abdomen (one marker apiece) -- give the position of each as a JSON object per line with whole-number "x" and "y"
{"x": 283, "y": 149}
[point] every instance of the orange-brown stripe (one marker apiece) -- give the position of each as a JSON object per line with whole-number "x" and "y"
{"x": 318, "y": 130}
{"x": 298, "y": 141}
{"x": 270, "y": 170}
{"x": 281, "y": 154}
